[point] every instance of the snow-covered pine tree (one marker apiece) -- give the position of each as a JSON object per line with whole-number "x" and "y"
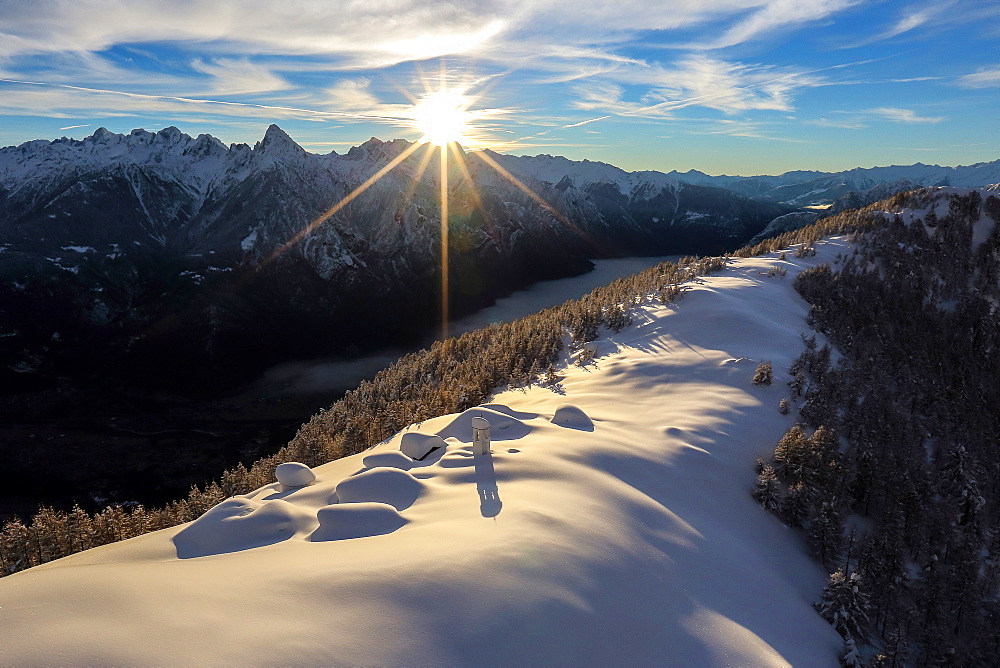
{"x": 795, "y": 505}
{"x": 844, "y": 604}
{"x": 616, "y": 318}
{"x": 767, "y": 490}
{"x": 851, "y": 656}
{"x": 763, "y": 375}
{"x": 791, "y": 453}
{"x": 825, "y": 537}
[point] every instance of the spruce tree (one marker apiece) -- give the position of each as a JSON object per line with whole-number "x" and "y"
{"x": 763, "y": 374}
{"x": 825, "y": 536}
{"x": 844, "y": 604}
{"x": 791, "y": 454}
{"x": 768, "y": 490}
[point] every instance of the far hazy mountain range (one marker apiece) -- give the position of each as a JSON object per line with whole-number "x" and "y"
{"x": 150, "y": 253}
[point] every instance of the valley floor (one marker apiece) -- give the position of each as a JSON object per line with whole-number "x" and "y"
{"x": 620, "y": 534}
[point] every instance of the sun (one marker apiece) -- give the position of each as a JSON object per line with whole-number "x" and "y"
{"x": 443, "y": 117}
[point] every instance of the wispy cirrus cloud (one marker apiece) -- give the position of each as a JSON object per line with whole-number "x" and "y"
{"x": 64, "y": 100}
{"x": 903, "y": 115}
{"x": 732, "y": 86}
{"x": 351, "y": 95}
{"x": 605, "y": 96}
{"x": 697, "y": 80}
{"x": 841, "y": 124}
{"x": 862, "y": 119}
{"x": 988, "y": 77}
{"x": 560, "y": 70}
{"x": 914, "y": 17}
{"x": 374, "y": 34}
{"x": 238, "y": 76}
{"x": 770, "y": 17}
{"x": 252, "y": 47}
{"x": 920, "y": 18}
{"x": 370, "y": 31}
{"x": 742, "y": 127}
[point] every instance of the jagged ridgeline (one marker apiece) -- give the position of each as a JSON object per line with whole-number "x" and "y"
{"x": 896, "y": 490}
{"x": 453, "y": 375}
{"x": 153, "y": 255}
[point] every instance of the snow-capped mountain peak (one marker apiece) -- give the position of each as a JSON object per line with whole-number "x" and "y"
{"x": 277, "y": 144}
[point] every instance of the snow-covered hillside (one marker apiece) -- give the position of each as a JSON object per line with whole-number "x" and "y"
{"x": 619, "y": 533}
{"x": 852, "y": 199}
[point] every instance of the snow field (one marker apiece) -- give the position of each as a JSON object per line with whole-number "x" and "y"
{"x": 610, "y": 524}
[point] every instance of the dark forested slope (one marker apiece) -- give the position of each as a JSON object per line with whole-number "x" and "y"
{"x": 897, "y": 490}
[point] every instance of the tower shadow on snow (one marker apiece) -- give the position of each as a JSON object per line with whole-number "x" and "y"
{"x": 486, "y": 484}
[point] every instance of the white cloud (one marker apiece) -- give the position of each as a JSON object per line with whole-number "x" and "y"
{"x": 914, "y": 18}
{"x": 355, "y": 96}
{"x": 313, "y": 58}
{"x": 983, "y": 78}
{"x": 697, "y": 80}
{"x": 937, "y": 15}
{"x": 845, "y": 125}
{"x": 605, "y": 96}
{"x": 351, "y": 95}
{"x": 778, "y": 15}
{"x": 248, "y": 47}
{"x": 903, "y": 115}
{"x": 232, "y": 76}
{"x": 380, "y": 33}
{"x": 73, "y": 67}
{"x": 741, "y": 128}
{"x": 66, "y": 101}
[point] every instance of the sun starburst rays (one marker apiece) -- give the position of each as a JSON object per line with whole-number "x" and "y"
{"x": 326, "y": 215}
{"x": 447, "y": 121}
{"x": 443, "y": 117}
{"x": 425, "y": 161}
{"x": 485, "y": 157}
{"x": 444, "y": 200}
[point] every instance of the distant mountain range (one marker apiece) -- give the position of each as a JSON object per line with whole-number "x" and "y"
{"x": 155, "y": 253}
{"x": 797, "y": 188}
{"x": 803, "y": 188}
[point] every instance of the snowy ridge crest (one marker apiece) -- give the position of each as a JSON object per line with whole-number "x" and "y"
{"x": 586, "y": 519}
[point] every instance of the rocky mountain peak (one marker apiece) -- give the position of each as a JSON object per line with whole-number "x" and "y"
{"x": 276, "y": 142}
{"x": 171, "y": 134}
{"x": 206, "y": 144}
{"x": 103, "y": 136}
{"x": 370, "y": 147}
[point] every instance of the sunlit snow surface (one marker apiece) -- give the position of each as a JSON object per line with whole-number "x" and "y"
{"x": 621, "y": 533}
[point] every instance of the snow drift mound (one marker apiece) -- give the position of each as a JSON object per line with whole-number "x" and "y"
{"x": 571, "y": 417}
{"x": 242, "y": 524}
{"x": 356, "y": 520}
{"x": 503, "y": 427}
{"x": 387, "y": 485}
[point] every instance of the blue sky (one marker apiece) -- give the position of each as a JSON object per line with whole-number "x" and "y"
{"x": 723, "y": 86}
